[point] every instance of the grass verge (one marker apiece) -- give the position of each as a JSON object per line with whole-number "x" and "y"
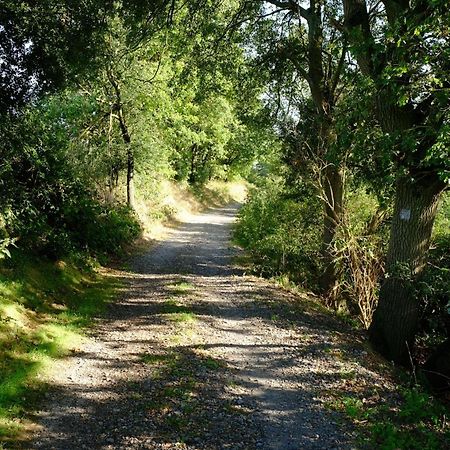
{"x": 414, "y": 421}
{"x": 44, "y": 309}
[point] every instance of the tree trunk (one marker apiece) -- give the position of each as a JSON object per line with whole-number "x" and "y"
{"x": 396, "y": 318}
{"x": 130, "y": 160}
{"x": 192, "y": 178}
{"x": 333, "y": 187}
{"x": 130, "y": 179}
{"x": 126, "y": 138}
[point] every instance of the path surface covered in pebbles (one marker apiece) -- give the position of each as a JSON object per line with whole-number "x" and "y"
{"x": 196, "y": 355}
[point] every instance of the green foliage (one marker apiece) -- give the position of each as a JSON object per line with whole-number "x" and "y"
{"x": 103, "y": 228}
{"x": 44, "y": 307}
{"x": 64, "y": 157}
{"x": 419, "y": 423}
{"x": 434, "y": 286}
{"x": 281, "y": 233}
{"x": 48, "y": 198}
{"x": 416, "y": 422}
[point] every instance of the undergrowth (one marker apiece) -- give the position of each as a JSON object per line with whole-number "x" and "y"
{"x": 44, "y": 307}
{"x": 416, "y": 421}
{"x": 281, "y": 233}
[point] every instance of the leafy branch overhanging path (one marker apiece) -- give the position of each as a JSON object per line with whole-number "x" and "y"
{"x": 197, "y": 355}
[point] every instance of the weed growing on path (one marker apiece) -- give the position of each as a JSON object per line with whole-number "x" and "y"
{"x": 180, "y": 287}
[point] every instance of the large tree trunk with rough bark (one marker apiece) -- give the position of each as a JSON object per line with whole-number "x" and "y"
{"x": 395, "y": 321}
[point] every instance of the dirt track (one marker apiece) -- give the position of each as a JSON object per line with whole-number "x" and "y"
{"x": 196, "y": 355}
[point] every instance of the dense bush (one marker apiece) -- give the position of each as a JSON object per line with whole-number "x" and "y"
{"x": 49, "y": 205}
{"x": 281, "y": 232}
{"x": 81, "y": 224}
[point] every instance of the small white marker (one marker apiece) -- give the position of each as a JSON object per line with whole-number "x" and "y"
{"x": 405, "y": 214}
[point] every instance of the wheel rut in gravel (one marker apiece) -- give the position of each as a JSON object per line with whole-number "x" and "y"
{"x": 196, "y": 355}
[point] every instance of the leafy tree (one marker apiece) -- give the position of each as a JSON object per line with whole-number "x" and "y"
{"x": 403, "y": 49}
{"x": 46, "y": 44}
{"x": 308, "y": 56}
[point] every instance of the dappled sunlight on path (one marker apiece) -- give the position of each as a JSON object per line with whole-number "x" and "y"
{"x": 196, "y": 355}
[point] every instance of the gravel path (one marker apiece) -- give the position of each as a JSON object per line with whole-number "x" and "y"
{"x": 196, "y": 355}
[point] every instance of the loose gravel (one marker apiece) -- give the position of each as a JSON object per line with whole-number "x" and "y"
{"x": 197, "y": 355}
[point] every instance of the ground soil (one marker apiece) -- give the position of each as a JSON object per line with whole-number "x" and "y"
{"x": 197, "y": 355}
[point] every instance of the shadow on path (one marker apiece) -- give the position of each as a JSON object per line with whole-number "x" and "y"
{"x": 195, "y": 355}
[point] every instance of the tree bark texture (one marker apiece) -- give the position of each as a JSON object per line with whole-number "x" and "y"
{"x": 395, "y": 321}
{"x": 333, "y": 187}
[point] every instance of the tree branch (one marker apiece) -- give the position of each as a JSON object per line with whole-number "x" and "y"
{"x": 339, "y": 68}
{"x": 358, "y": 30}
{"x": 292, "y": 6}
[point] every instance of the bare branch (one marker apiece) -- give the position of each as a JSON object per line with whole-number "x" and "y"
{"x": 292, "y": 6}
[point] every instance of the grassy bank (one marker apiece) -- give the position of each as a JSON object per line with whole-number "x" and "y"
{"x": 44, "y": 308}
{"x": 175, "y": 202}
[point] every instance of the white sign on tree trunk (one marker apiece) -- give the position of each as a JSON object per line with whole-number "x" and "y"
{"x": 405, "y": 214}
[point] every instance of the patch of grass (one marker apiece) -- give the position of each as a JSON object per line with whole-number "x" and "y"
{"x": 212, "y": 363}
{"x": 173, "y": 306}
{"x": 347, "y": 375}
{"x": 354, "y": 407}
{"x": 154, "y": 359}
{"x": 218, "y": 192}
{"x": 182, "y": 317}
{"x": 180, "y": 287}
{"x": 177, "y": 312}
{"x": 417, "y": 422}
{"x": 44, "y": 307}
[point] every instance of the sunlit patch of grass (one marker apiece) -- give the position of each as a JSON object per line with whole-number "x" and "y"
{"x": 176, "y": 312}
{"x": 180, "y": 287}
{"x": 44, "y": 307}
{"x": 182, "y": 317}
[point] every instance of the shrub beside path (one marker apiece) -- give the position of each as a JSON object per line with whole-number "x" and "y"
{"x": 197, "y": 355}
